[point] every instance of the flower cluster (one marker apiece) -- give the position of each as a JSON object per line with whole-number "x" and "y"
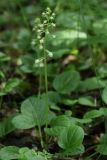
{"x": 42, "y": 27}
{"x": 39, "y": 62}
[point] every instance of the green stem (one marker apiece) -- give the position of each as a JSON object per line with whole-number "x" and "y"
{"x": 39, "y": 94}
{"x": 46, "y": 82}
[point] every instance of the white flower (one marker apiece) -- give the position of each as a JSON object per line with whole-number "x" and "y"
{"x": 50, "y": 54}
{"x": 38, "y": 30}
{"x": 41, "y": 47}
{"x": 41, "y": 64}
{"x": 43, "y": 13}
{"x": 47, "y": 32}
{"x": 37, "y": 61}
{"x": 42, "y": 41}
{"x": 38, "y": 37}
{"x": 53, "y": 24}
{"x": 41, "y": 25}
{"x": 45, "y": 22}
{"x": 51, "y": 18}
{"x": 53, "y": 14}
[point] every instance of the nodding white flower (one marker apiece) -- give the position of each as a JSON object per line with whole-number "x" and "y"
{"x": 37, "y": 61}
{"x": 47, "y": 32}
{"x": 38, "y": 30}
{"x": 43, "y": 13}
{"x": 42, "y": 41}
{"x": 47, "y": 12}
{"x": 51, "y": 18}
{"x": 53, "y": 24}
{"x": 40, "y": 64}
{"x": 38, "y": 37}
{"x": 45, "y": 21}
{"x": 48, "y": 9}
{"x": 53, "y": 14}
{"x": 50, "y": 54}
{"x": 41, "y": 25}
{"x": 41, "y": 47}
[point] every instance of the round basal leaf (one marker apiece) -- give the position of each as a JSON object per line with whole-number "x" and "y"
{"x": 23, "y": 121}
{"x": 62, "y": 121}
{"x": 104, "y": 95}
{"x": 54, "y": 131}
{"x": 33, "y": 113}
{"x": 66, "y": 82}
{"x": 92, "y": 84}
{"x": 75, "y": 151}
{"x": 57, "y": 125}
{"x": 93, "y": 114}
{"x": 71, "y": 137}
{"x": 8, "y": 153}
{"x": 53, "y": 97}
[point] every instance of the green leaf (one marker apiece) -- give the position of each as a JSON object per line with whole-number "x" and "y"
{"x": 62, "y": 120}
{"x": 70, "y": 102}
{"x": 102, "y": 70}
{"x": 54, "y": 131}
{"x": 10, "y": 85}
{"x": 104, "y": 95}
{"x": 75, "y": 151}
{"x": 71, "y": 138}
{"x": 53, "y": 97}
{"x": 26, "y": 153}
{"x": 4, "y": 57}
{"x": 92, "y": 84}
{"x": 6, "y": 126}
{"x": 93, "y": 114}
{"x": 58, "y": 124}
{"x": 60, "y": 52}
{"x": 87, "y": 101}
{"x": 33, "y": 113}
{"x": 104, "y": 111}
{"x": 8, "y": 153}
{"x": 102, "y": 147}
{"x": 66, "y": 82}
